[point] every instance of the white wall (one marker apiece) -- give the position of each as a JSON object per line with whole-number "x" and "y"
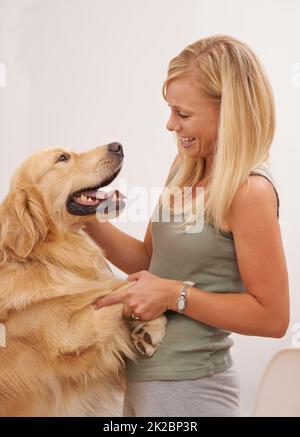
{"x": 87, "y": 72}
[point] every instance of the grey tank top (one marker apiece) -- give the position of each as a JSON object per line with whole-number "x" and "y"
{"x": 192, "y": 349}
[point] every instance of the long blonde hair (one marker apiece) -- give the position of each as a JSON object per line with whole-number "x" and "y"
{"x": 228, "y": 71}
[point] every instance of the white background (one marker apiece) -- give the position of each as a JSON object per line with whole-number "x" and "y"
{"x": 86, "y": 72}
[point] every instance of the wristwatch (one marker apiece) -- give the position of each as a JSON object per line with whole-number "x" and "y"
{"x": 181, "y": 301}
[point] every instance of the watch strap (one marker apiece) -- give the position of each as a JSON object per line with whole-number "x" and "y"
{"x": 182, "y": 299}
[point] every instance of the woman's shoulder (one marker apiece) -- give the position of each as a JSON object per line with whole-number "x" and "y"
{"x": 255, "y": 188}
{"x": 259, "y": 190}
{"x": 254, "y": 197}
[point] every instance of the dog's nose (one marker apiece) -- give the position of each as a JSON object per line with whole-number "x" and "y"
{"x": 115, "y": 148}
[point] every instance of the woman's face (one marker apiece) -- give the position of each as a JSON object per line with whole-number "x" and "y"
{"x": 194, "y": 118}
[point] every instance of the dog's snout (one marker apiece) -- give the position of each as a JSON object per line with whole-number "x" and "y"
{"x": 115, "y": 148}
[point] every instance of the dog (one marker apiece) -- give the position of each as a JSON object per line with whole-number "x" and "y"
{"x": 62, "y": 356}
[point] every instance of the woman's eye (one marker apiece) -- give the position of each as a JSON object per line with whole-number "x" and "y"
{"x": 63, "y": 157}
{"x": 183, "y": 115}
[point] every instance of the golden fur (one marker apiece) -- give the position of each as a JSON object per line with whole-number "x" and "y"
{"x": 62, "y": 356}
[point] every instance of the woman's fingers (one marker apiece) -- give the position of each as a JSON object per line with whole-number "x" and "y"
{"x": 137, "y": 275}
{"x": 129, "y": 312}
{"x": 111, "y": 299}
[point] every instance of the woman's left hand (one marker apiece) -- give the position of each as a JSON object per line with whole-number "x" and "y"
{"x": 146, "y": 299}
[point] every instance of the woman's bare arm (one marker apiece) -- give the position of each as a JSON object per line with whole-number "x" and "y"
{"x": 125, "y": 252}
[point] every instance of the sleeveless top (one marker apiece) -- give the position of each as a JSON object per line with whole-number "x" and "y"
{"x": 191, "y": 349}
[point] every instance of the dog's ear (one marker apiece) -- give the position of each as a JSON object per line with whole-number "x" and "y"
{"x": 24, "y": 222}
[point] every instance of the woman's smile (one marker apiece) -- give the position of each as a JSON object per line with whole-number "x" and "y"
{"x": 187, "y": 141}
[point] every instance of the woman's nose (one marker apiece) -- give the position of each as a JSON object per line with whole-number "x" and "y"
{"x": 172, "y": 125}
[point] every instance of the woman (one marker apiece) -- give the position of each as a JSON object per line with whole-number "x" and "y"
{"x": 222, "y": 113}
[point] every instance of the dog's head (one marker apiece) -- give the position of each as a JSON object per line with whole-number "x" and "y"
{"x": 57, "y": 187}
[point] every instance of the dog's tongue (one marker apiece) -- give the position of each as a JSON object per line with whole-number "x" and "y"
{"x": 102, "y": 195}
{"x": 114, "y": 195}
{"x": 111, "y": 206}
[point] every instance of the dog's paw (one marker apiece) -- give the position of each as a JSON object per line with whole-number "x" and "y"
{"x": 147, "y": 336}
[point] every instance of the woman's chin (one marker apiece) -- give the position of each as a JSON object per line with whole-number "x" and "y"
{"x": 194, "y": 153}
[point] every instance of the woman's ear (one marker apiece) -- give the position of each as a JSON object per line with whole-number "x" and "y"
{"x": 24, "y": 221}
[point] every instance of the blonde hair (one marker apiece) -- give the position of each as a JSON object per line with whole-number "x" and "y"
{"x": 227, "y": 71}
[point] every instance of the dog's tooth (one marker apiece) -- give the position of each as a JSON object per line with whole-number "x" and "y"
{"x": 83, "y": 197}
{"x": 89, "y": 199}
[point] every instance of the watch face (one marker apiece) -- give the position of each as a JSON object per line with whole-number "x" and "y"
{"x": 181, "y": 304}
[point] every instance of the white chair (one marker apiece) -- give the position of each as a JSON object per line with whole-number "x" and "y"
{"x": 279, "y": 390}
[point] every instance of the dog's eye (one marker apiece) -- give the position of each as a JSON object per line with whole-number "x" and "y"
{"x": 63, "y": 157}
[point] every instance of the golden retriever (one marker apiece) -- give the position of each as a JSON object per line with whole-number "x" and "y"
{"x": 62, "y": 356}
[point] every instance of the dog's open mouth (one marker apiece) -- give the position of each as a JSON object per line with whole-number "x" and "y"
{"x": 91, "y": 199}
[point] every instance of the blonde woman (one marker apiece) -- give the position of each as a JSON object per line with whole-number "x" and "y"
{"x": 222, "y": 113}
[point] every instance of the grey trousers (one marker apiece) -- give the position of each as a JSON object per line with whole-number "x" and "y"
{"x": 211, "y": 396}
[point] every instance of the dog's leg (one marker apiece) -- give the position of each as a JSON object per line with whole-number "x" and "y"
{"x": 148, "y": 335}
